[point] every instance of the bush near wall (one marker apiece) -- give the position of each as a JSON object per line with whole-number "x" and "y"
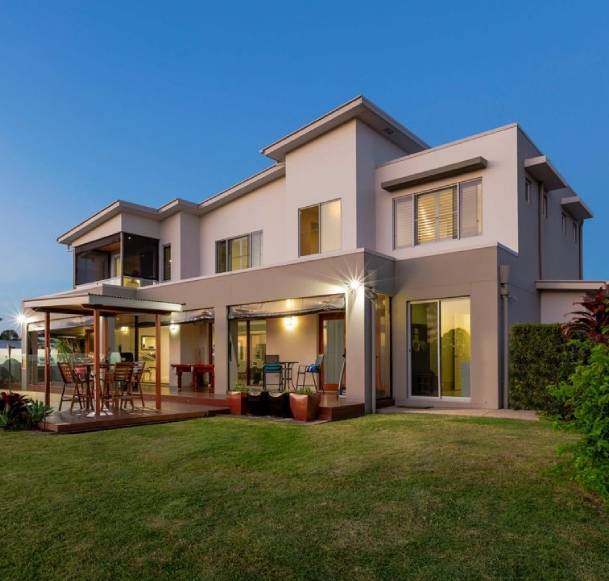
{"x": 540, "y": 356}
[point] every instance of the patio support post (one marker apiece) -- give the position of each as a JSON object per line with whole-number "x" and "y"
{"x": 47, "y": 358}
{"x": 157, "y": 375}
{"x": 98, "y": 391}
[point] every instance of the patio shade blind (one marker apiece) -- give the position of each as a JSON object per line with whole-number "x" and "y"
{"x": 287, "y": 307}
{"x": 193, "y": 316}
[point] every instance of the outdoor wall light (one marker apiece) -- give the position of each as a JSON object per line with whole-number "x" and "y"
{"x": 355, "y": 284}
{"x": 289, "y": 323}
{"x": 173, "y": 329}
{"x": 124, "y": 330}
{"x": 21, "y": 319}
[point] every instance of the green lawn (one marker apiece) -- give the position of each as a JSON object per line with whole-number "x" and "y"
{"x": 428, "y": 497}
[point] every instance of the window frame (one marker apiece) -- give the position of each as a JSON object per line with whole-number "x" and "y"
{"x": 164, "y": 250}
{"x": 456, "y": 186}
{"x": 528, "y": 184}
{"x": 319, "y": 235}
{"x": 227, "y": 250}
{"x": 544, "y": 205}
{"x": 575, "y": 230}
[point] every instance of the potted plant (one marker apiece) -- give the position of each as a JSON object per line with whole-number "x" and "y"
{"x": 279, "y": 404}
{"x": 237, "y": 399}
{"x": 304, "y": 403}
{"x": 258, "y": 403}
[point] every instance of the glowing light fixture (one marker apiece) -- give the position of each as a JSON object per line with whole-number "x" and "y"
{"x": 21, "y": 319}
{"x": 124, "y": 330}
{"x": 289, "y": 322}
{"x": 173, "y": 328}
{"x": 355, "y": 284}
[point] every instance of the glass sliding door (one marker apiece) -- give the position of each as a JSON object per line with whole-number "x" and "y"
{"x": 382, "y": 346}
{"x": 440, "y": 348}
{"x": 247, "y": 351}
{"x": 424, "y": 348}
{"x": 332, "y": 345}
{"x": 455, "y": 348}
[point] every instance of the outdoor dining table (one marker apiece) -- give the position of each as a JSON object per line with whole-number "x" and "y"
{"x": 287, "y": 373}
{"x": 89, "y": 379}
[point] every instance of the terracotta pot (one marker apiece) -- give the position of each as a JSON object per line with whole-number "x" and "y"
{"x": 279, "y": 404}
{"x": 304, "y": 407}
{"x": 236, "y": 402}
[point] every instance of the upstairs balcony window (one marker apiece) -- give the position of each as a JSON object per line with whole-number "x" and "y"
{"x": 239, "y": 252}
{"x": 444, "y": 214}
{"x": 121, "y": 259}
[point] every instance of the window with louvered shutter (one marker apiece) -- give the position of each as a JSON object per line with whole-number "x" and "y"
{"x": 436, "y": 216}
{"x": 403, "y": 230}
{"x": 470, "y": 209}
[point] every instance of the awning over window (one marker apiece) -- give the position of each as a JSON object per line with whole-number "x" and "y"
{"x": 193, "y": 316}
{"x": 288, "y": 307}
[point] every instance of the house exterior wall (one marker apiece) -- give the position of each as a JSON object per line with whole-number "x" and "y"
{"x": 499, "y": 201}
{"x": 263, "y": 209}
{"x": 557, "y": 306}
{"x": 297, "y": 344}
{"x": 470, "y": 274}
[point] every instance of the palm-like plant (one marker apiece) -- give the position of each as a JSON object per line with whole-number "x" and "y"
{"x": 592, "y": 321}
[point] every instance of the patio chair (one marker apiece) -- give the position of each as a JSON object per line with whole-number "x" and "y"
{"x": 71, "y": 380}
{"x": 134, "y": 387}
{"x": 272, "y": 368}
{"x": 314, "y": 370}
{"x": 115, "y": 383}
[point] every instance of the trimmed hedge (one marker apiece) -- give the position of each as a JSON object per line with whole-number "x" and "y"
{"x": 541, "y": 356}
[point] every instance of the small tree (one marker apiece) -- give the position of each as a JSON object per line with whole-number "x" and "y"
{"x": 9, "y": 335}
{"x": 591, "y": 322}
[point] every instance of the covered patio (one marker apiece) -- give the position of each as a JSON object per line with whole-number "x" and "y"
{"x": 89, "y": 375}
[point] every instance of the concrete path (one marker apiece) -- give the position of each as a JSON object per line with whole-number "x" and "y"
{"x": 465, "y": 412}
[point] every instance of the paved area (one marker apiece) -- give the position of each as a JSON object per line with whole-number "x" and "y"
{"x": 465, "y": 412}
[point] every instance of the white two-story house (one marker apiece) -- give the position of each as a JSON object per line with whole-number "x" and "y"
{"x": 403, "y": 264}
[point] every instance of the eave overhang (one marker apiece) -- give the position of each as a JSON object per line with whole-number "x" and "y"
{"x": 357, "y": 108}
{"x": 437, "y": 173}
{"x": 543, "y": 171}
{"x": 575, "y": 206}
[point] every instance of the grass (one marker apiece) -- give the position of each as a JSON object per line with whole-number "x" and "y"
{"x": 423, "y": 497}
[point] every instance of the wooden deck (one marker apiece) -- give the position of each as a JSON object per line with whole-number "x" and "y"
{"x": 176, "y": 406}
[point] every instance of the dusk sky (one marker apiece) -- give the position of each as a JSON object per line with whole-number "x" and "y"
{"x": 148, "y": 101}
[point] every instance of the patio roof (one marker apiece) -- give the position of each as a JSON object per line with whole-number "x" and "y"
{"x": 87, "y": 303}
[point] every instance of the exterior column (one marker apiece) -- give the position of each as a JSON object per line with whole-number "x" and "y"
{"x": 221, "y": 350}
{"x": 157, "y": 375}
{"x": 96, "y": 341}
{"x": 47, "y": 359}
{"x": 358, "y": 347}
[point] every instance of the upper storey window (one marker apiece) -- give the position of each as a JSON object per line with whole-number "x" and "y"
{"x": 319, "y": 228}
{"x": 443, "y": 214}
{"x": 239, "y": 252}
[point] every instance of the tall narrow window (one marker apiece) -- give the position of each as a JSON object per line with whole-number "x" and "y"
{"x": 435, "y": 215}
{"x": 574, "y": 230}
{"x": 544, "y": 205}
{"x": 563, "y": 223}
{"x": 221, "y": 256}
{"x": 527, "y": 190}
{"x": 167, "y": 262}
{"x": 320, "y": 228}
{"x": 403, "y": 222}
{"x": 470, "y": 208}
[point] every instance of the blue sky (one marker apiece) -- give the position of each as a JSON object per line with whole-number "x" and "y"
{"x": 147, "y": 101}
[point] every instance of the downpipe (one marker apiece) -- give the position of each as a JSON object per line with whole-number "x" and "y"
{"x": 504, "y": 292}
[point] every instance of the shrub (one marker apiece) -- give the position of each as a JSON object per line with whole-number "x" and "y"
{"x": 540, "y": 355}
{"x": 591, "y": 322}
{"x": 18, "y": 412}
{"x": 586, "y": 395}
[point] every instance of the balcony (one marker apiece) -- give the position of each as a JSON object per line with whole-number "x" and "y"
{"x": 122, "y": 259}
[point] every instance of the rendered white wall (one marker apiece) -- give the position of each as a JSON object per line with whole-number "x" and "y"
{"x": 263, "y": 209}
{"x": 499, "y": 192}
{"x": 320, "y": 171}
{"x": 296, "y": 344}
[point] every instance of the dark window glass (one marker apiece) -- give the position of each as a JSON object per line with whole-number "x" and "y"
{"x": 140, "y": 257}
{"x": 91, "y": 266}
{"x": 221, "y": 261}
{"x": 167, "y": 262}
